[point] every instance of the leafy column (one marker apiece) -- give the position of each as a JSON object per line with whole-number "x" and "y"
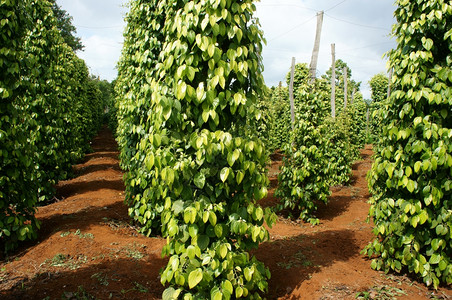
{"x": 204, "y": 172}
{"x": 136, "y": 69}
{"x": 17, "y": 176}
{"x": 411, "y": 177}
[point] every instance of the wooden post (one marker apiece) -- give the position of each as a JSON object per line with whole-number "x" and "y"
{"x": 345, "y": 87}
{"x": 315, "y": 51}
{"x": 333, "y": 81}
{"x": 389, "y": 82}
{"x": 292, "y": 104}
{"x": 367, "y": 119}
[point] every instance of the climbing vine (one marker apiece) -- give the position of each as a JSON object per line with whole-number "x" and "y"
{"x": 411, "y": 178}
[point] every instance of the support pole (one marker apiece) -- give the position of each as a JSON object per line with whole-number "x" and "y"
{"x": 333, "y": 81}
{"x": 292, "y": 104}
{"x": 389, "y": 82}
{"x": 315, "y": 50}
{"x": 345, "y": 87}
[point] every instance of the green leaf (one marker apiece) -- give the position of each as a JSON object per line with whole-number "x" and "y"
{"x": 390, "y": 170}
{"x": 435, "y": 259}
{"x": 211, "y": 50}
{"x": 239, "y": 176}
{"x": 223, "y": 251}
{"x": 200, "y": 180}
{"x": 238, "y": 292}
{"x": 224, "y": 174}
{"x": 191, "y": 252}
{"x": 259, "y": 213}
{"x": 227, "y": 287}
{"x": 428, "y": 44}
{"x": 194, "y": 278}
{"x": 417, "y": 166}
{"x": 212, "y": 218}
{"x": 217, "y": 295}
{"x": 178, "y": 207}
{"x": 411, "y": 186}
{"x": 248, "y": 274}
{"x": 149, "y": 161}
{"x": 218, "y": 230}
{"x": 203, "y": 242}
{"x": 171, "y": 294}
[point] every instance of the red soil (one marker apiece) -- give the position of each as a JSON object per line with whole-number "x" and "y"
{"x": 87, "y": 247}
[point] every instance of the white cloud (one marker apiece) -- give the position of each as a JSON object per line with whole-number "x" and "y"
{"x": 99, "y": 24}
{"x": 101, "y": 55}
{"x": 359, "y": 28}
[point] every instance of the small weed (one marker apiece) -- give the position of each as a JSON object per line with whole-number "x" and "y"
{"x": 3, "y": 274}
{"x": 432, "y": 296}
{"x": 297, "y": 260}
{"x": 84, "y": 235}
{"x": 355, "y": 192}
{"x": 102, "y": 278}
{"x": 138, "y": 287}
{"x": 78, "y": 233}
{"x": 141, "y": 288}
{"x": 66, "y": 233}
{"x": 66, "y": 261}
{"x": 101, "y": 256}
{"x": 133, "y": 251}
{"x": 81, "y": 294}
{"x": 381, "y": 292}
{"x": 58, "y": 260}
{"x": 119, "y": 224}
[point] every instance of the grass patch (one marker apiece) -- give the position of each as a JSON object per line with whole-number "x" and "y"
{"x": 81, "y": 294}
{"x": 78, "y": 233}
{"x": 66, "y": 261}
{"x": 296, "y": 261}
{"x": 101, "y": 278}
{"x": 381, "y": 292}
{"x": 135, "y": 251}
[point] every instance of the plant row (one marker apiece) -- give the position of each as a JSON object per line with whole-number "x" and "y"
{"x": 49, "y": 110}
{"x": 188, "y": 87}
{"x": 318, "y": 150}
{"x": 411, "y": 179}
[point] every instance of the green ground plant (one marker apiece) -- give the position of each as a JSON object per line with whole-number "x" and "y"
{"x": 48, "y": 113}
{"x": 410, "y": 180}
{"x": 195, "y": 166}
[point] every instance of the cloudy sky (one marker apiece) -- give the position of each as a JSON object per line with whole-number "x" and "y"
{"x": 360, "y": 29}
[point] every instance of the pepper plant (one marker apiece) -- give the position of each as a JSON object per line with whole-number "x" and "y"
{"x": 211, "y": 172}
{"x": 17, "y": 175}
{"x": 194, "y": 170}
{"x": 46, "y": 114}
{"x": 142, "y": 45}
{"x": 411, "y": 178}
{"x": 306, "y": 172}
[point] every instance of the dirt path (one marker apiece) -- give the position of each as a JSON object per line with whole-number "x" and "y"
{"x": 87, "y": 247}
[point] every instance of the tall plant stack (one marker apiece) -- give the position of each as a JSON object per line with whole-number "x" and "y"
{"x": 194, "y": 170}
{"x": 47, "y": 115}
{"x": 411, "y": 179}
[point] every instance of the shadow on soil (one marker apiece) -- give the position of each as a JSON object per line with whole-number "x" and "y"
{"x": 71, "y": 189}
{"x": 335, "y": 207}
{"x": 109, "y": 154}
{"x": 81, "y": 219}
{"x": 84, "y": 170}
{"x": 293, "y": 260}
{"x": 110, "y": 279}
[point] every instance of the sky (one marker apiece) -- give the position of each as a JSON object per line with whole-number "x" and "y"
{"x": 360, "y": 30}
